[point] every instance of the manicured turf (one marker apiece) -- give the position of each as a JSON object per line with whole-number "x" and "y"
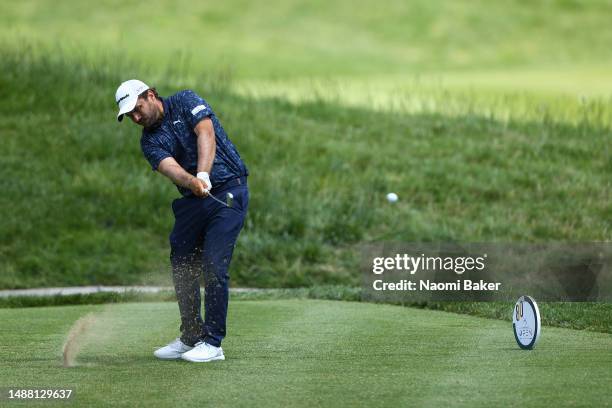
{"x": 577, "y": 315}
{"x": 307, "y": 353}
{"x": 297, "y": 38}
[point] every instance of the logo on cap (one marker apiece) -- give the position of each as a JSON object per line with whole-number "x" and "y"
{"x": 122, "y": 98}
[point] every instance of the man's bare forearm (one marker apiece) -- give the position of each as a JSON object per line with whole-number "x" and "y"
{"x": 179, "y": 176}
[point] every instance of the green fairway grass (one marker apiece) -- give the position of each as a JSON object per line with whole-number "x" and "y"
{"x": 571, "y": 315}
{"x": 319, "y": 38}
{"x": 575, "y": 97}
{"x": 307, "y": 353}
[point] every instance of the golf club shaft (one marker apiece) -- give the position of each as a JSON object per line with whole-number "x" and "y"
{"x": 217, "y": 200}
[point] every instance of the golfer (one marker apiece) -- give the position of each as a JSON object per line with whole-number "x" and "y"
{"x": 183, "y": 139}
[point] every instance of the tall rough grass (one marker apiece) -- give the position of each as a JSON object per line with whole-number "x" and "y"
{"x": 80, "y": 205}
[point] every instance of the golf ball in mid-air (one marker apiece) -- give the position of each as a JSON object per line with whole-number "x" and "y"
{"x": 392, "y": 197}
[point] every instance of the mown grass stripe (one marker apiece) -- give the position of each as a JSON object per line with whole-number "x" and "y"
{"x": 305, "y": 353}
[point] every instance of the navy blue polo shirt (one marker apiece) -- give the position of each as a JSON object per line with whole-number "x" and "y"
{"x": 175, "y": 137}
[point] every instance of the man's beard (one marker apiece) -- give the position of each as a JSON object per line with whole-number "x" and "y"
{"x": 153, "y": 123}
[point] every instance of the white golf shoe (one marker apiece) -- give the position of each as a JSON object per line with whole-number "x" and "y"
{"x": 172, "y": 351}
{"x": 203, "y": 353}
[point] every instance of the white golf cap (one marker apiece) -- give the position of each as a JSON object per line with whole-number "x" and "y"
{"x": 127, "y": 95}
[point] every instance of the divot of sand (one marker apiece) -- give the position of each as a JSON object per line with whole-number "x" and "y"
{"x": 75, "y": 338}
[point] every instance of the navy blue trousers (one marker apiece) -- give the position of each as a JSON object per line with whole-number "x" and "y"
{"x": 201, "y": 245}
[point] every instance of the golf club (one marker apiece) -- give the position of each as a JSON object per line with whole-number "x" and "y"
{"x": 229, "y": 199}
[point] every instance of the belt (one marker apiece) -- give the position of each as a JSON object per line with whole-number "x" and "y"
{"x": 239, "y": 181}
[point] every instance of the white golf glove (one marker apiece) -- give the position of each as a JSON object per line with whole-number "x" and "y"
{"x": 206, "y": 179}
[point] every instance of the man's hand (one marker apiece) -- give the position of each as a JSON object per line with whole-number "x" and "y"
{"x": 171, "y": 169}
{"x": 202, "y": 175}
{"x": 197, "y": 187}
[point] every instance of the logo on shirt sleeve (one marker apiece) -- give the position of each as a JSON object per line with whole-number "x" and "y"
{"x": 197, "y": 109}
